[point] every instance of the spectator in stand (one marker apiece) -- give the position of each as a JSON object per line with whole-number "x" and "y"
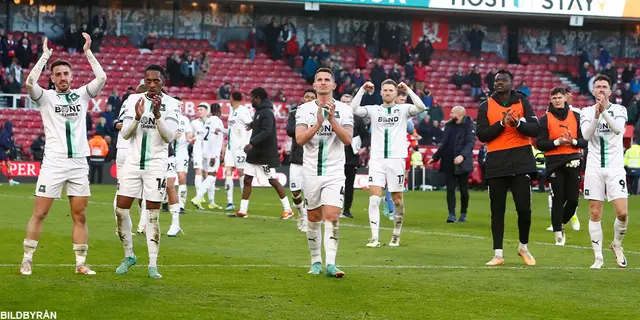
{"x": 174, "y": 63}
{"x": 114, "y": 100}
{"x": 371, "y": 98}
{"x": 361, "y": 56}
{"x": 334, "y": 68}
{"x": 102, "y": 128}
{"x": 11, "y": 47}
{"x": 326, "y": 63}
{"x": 459, "y": 78}
{"x": 476, "y": 82}
{"x": 427, "y": 99}
{"x": 616, "y": 98}
{"x": 7, "y": 150}
{"x": 97, "y": 34}
{"x": 225, "y": 91}
{"x": 583, "y": 79}
{"x": 271, "y": 33}
{"x": 347, "y": 87}
{"x": 11, "y": 87}
{"x": 424, "y": 49}
{"x": 189, "y": 70}
{"x": 424, "y": 131}
{"x": 89, "y": 122}
{"x": 357, "y": 78}
{"x": 99, "y": 148}
{"x": 37, "y": 147}
{"x": 16, "y": 71}
{"x": 71, "y": 39}
{"x": 627, "y": 95}
{"x": 99, "y": 21}
{"x": 475, "y": 37}
{"x": 404, "y": 52}
{"x": 584, "y": 57}
{"x": 628, "y": 73}
{"x": 524, "y": 89}
{"x": 4, "y": 47}
{"x": 436, "y": 113}
{"x": 420, "y": 75}
{"x": 310, "y": 68}
{"x": 635, "y": 84}
{"x": 203, "y": 67}
{"x": 81, "y": 41}
{"x": 279, "y": 96}
{"x": 24, "y": 54}
{"x": 635, "y": 108}
{"x": 286, "y": 33}
{"x": 605, "y": 58}
{"x": 109, "y": 115}
{"x": 149, "y": 43}
{"x": 323, "y": 53}
{"x": 252, "y": 44}
{"x": 395, "y": 74}
{"x": 126, "y": 95}
{"x": 377, "y": 75}
{"x": 308, "y": 51}
{"x": 410, "y": 72}
{"x": 293, "y": 49}
{"x": 610, "y": 72}
{"x": 336, "y": 58}
{"x": 490, "y": 78}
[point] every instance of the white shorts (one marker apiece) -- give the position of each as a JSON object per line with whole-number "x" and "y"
{"x": 235, "y": 158}
{"x": 295, "y": 177}
{"x": 260, "y": 171}
{"x": 323, "y": 191}
{"x": 209, "y": 168}
{"x": 182, "y": 165}
{"x": 121, "y": 155}
{"x": 142, "y": 184}
{"x": 171, "y": 167}
{"x": 387, "y": 173}
{"x": 196, "y": 155}
{"x": 55, "y": 173}
{"x": 601, "y": 181}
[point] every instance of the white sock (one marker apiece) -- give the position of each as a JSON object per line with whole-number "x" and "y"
{"x": 331, "y": 236}
{"x": 398, "y": 218}
{"x": 595, "y": 231}
{"x": 143, "y": 216}
{"x": 29, "y": 248}
{"x": 175, "y": 214}
{"x": 550, "y": 203}
{"x": 211, "y": 190}
{"x": 374, "y": 216}
{"x": 558, "y": 234}
{"x": 153, "y": 236}
{"x": 498, "y": 253}
{"x": 182, "y": 194}
{"x": 124, "y": 230}
{"x": 241, "y": 180}
{"x": 197, "y": 181}
{"x": 619, "y": 229}
{"x": 204, "y": 187}
{"x": 522, "y": 247}
{"x": 285, "y": 203}
{"x": 228, "y": 184}
{"x": 302, "y": 211}
{"x": 244, "y": 205}
{"x": 313, "y": 239}
{"x": 115, "y": 201}
{"x": 81, "y": 253}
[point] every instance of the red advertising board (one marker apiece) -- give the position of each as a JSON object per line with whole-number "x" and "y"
{"x": 23, "y": 169}
{"x": 437, "y": 31}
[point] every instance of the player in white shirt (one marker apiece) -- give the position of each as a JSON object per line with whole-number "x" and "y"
{"x": 63, "y": 112}
{"x": 603, "y": 125}
{"x": 323, "y": 127}
{"x": 388, "y": 151}
{"x": 575, "y": 223}
{"x": 237, "y": 138}
{"x": 182, "y": 155}
{"x": 150, "y": 124}
{"x": 199, "y": 130}
{"x": 211, "y": 150}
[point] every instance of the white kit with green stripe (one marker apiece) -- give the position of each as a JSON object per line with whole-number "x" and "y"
{"x": 64, "y": 116}
{"x": 388, "y": 130}
{"x": 147, "y": 149}
{"x": 238, "y": 136}
{"x": 324, "y": 153}
{"x": 606, "y": 149}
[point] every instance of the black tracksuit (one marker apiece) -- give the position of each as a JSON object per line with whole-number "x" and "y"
{"x": 296, "y": 150}
{"x": 351, "y": 161}
{"x": 264, "y": 142}
{"x": 565, "y": 181}
{"x": 509, "y": 168}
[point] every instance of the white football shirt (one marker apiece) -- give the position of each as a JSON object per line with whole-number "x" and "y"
{"x": 324, "y": 153}
{"x": 606, "y": 149}
{"x": 147, "y": 149}
{"x": 238, "y": 136}
{"x": 64, "y": 117}
{"x": 388, "y": 130}
{"x": 122, "y": 144}
{"x": 181, "y": 144}
{"x": 213, "y": 137}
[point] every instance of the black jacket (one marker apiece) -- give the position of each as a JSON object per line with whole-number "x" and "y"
{"x": 359, "y": 129}
{"x": 543, "y": 143}
{"x": 508, "y": 162}
{"x": 296, "y": 150}
{"x": 463, "y": 144}
{"x": 263, "y": 137}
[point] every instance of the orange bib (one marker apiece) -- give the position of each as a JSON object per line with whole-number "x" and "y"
{"x": 510, "y": 138}
{"x": 557, "y": 128}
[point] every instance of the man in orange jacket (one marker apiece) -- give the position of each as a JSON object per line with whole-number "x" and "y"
{"x": 98, "y": 147}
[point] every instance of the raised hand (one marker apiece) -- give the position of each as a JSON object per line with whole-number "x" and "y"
{"x": 368, "y": 86}
{"x": 156, "y": 102}
{"x": 139, "y": 108}
{"x": 87, "y": 43}
{"x": 331, "y": 109}
{"x": 403, "y": 87}
{"x": 319, "y": 116}
{"x": 505, "y": 116}
{"x": 45, "y": 47}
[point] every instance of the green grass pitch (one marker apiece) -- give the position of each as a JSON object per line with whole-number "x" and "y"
{"x": 256, "y": 268}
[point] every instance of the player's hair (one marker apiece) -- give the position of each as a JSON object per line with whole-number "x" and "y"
{"x": 507, "y": 72}
{"x": 327, "y": 70}
{"x": 310, "y": 90}
{"x": 141, "y": 88}
{"x": 560, "y": 90}
{"x": 215, "y": 109}
{"x": 155, "y": 67}
{"x": 402, "y": 94}
{"x": 59, "y": 63}
{"x": 178, "y": 98}
{"x": 602, "y": 77}
{"x": 202, "y": 105}
{"x": 260, "y": 92}
{"x": 346, "y": 95}
{"x": 236, "y": 96}
{"x": 389, "y": 81}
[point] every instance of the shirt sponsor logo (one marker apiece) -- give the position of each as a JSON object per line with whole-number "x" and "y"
{"x": 147, "y": 122}
{"x": 68, "y": 111}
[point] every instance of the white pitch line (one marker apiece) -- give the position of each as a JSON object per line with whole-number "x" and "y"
{"x": 431, "y": 233}
{"x": 293, "y": 266}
